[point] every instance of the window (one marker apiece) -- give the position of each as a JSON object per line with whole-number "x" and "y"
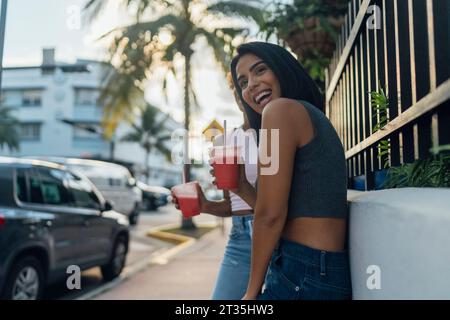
{"x": 21, "y": 185}
{"x": 83, "y": 193}
{"x": 53, "y": 189}
{"x": 86, "y": 97}
{"x": 35, "y": 188}
{"x": 47, "y": 187}
{"x": 30, "y": 131}
{"x": 31, "y": 98}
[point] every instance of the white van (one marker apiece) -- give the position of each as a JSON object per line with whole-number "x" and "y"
{"x": 113, "y": 180}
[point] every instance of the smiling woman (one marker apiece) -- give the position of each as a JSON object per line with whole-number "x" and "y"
{"x": 258, "y": 83}
{"x": 300, "y": 211}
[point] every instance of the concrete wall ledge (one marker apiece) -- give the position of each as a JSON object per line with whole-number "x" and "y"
{"x": 399, "y": 243}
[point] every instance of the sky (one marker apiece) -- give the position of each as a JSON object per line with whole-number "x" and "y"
{"x": 36, "y": 24}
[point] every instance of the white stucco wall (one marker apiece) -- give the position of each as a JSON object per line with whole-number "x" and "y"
{"x": 406, "y": 233}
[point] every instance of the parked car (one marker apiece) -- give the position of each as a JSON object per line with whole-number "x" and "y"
{"x": 50, "y": 219}
{"x": 153, "y": 197}
{"x": 114, "y": 181}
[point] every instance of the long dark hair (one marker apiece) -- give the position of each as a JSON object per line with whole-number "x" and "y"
{"x": 295, "y": 82}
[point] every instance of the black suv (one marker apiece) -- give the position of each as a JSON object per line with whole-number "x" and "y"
{"x": 50, "y": 219}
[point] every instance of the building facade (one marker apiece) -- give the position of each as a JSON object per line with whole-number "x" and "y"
{"x": 59, "y": 114}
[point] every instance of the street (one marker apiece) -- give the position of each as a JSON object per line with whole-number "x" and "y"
{"x": 141, "y": 249}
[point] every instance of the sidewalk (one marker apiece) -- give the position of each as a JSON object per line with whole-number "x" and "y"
{"x": 189, "y": 275}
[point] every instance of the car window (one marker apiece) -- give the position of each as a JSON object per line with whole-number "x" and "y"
{"x": 52, "y": 187}
{"x": 21, "y": 185}
{"x": 83, "y": 193}
{"x": 35, "y": 188}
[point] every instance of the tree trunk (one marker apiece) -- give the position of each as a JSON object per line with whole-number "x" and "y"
{"x": 187, "y": 223}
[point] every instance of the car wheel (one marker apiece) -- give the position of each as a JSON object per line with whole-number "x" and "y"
{"x": 118, "y": 259}
{"x": 25, "y": 280}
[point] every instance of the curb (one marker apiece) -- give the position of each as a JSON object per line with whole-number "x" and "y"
{"x": 182, "y": 242}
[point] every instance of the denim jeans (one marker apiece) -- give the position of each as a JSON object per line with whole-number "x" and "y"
{"x": 234, "y": 271}
{"x": 297, "y": 272}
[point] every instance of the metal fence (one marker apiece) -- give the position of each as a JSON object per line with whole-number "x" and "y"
{"x": 402, "y": 47}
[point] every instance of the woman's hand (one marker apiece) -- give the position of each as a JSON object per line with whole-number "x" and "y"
{"x": 201, "y": 198}
{"x": 175, "y": 201}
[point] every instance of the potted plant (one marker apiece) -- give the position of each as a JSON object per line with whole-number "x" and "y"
{"x": 310, "y": 29}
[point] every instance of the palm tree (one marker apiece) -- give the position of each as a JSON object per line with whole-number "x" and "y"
{"x": 151, "y": 133}
{"x": 139, "y": 47}
{"x": 9, "y": 135}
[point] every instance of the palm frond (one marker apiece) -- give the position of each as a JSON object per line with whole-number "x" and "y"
{"x": 218, "y": 46}
{"x": 93, "y": 8}
{"x": 131, "y": 137}
{"x": 248, "y": 9}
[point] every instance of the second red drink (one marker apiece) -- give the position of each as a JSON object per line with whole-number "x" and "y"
{"x": 226, "y": 167}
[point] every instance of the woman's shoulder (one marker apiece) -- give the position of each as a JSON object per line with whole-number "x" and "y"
{"x": 284, "y": 110}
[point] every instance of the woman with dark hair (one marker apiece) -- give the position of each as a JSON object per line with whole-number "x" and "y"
{"x": 300, "y": 210}
{"x": 233, "y": 276}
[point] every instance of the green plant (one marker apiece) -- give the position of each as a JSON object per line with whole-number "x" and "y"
{"x": 310, "y": 28}
{"x": 283, "y": 17}
{"x": 429, "y": 173}
{"x": 433, "y": 172}
{"x": 380, "y": 106}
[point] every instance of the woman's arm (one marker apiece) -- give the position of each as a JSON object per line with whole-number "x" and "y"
{"x": 282, "y": 116}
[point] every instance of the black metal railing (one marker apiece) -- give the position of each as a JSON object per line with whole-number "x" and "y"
{"x": 408, "y": 56}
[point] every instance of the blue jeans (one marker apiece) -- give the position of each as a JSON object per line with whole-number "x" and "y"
{"x": 234, "y": 272}
{"x": 297, "y": 272}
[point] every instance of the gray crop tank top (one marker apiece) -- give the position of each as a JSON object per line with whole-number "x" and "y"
{"x": 319, "y": 182}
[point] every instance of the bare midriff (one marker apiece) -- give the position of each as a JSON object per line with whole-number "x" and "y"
{"x": 326, "y": 234}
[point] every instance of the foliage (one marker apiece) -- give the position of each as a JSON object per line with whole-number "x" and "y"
{"x": 429, "y": 173}
{"x": 9, "y": 135}
{"x": 380, "y": 106}
{"x": 137, "y": 50}
{"x": 284, "y": 19}
{"x": 433, "y": 172}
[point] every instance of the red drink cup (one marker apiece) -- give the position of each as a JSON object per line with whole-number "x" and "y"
{"x": 188, "y": 200}
{"x": 226, "y": 167}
